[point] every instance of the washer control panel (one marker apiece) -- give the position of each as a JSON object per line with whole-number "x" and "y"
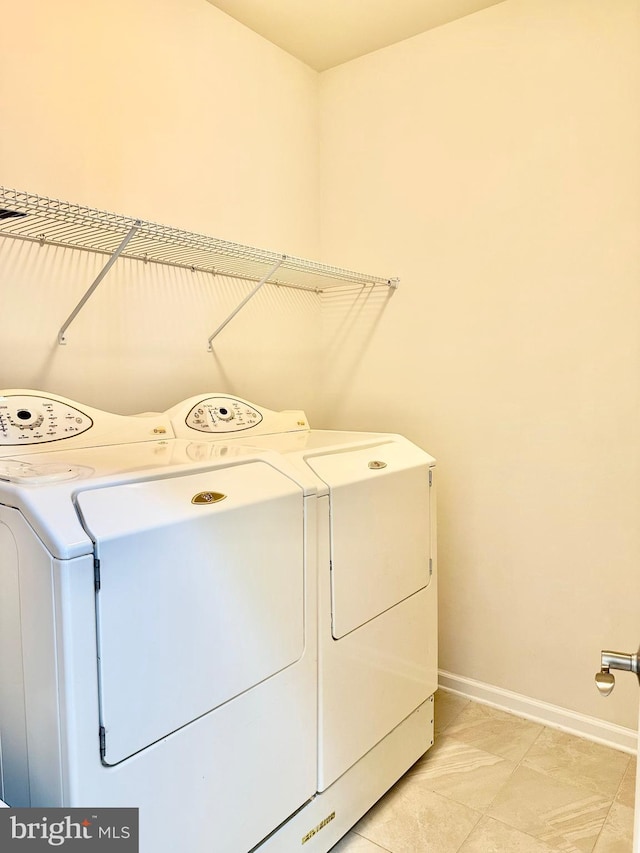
{"x": 221, "y": 415}
{"x": 42, "y": 422}
{"x": 26, "y": 419}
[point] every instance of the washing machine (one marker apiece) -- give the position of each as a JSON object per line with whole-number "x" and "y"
{"x": 158, "y": 630}
{"x": 377, "y": 600}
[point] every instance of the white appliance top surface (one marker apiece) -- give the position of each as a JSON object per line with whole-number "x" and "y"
{"x": 45, "y": 485}
{"x": 111, "y": 460}
{"x": 52, "y": 448}
{"x": 303, "y": 448}
{"x": 312, "y": 440}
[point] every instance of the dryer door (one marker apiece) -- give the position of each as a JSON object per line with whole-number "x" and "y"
{"x": 380, "y": 528}
{"x": 197, "y": 602}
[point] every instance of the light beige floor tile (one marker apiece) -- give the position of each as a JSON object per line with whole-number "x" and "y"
{"x": 353, "y": 843}
{"x": 564, "y": 816}
{"x": 617, "y": 832}
{"x": 412, "y": 819}
{"x": 447, "y": 707}
{"x": 578, "y": 761}
{"x": 627, "y": 791}
{"x": 494, "y": 731}
{"x": 559, "y": 800}
{"x": 491, "y": 836}
{"x": 463, "y": 773}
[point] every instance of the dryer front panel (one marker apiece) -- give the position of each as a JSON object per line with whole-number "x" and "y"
{"x": 201, "y": 584}
{"x": 380, "y": 529}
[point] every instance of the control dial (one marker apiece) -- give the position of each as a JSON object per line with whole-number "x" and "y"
{"x": 26, "y": 418}
{"x": 224, "y": 414}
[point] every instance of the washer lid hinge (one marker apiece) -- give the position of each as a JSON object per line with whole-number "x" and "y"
{"x": 96, "y": 573}
{"x": 103, "y": 741}
{"x": 430, "y": 477}
{"x": 430, "y": 566}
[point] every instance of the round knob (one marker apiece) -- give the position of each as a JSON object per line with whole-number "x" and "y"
{"x": 605, "y": 682}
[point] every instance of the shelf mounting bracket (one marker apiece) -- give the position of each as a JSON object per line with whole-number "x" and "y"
{"x": 244, "y": 301}
{"x": 114, "y": 257}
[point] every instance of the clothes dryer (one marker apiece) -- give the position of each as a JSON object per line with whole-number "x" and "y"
{"x": 377, "y": 600}
{"x": 157, "y": 625}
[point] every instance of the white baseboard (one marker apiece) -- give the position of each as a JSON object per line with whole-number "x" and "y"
{"x": 591, "y": 728}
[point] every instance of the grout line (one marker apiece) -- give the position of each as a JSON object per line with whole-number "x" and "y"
{"x": 517, "y": 765}
{"x": 503, "y": 786}
{"x": 533, "y": 742}
{"x": 386, "y": 849}
{"x": 604, "y": 822}
{"x": 552, "y": 849}
{"x": 471, "y": 831}
{"x": 615, "y": 797}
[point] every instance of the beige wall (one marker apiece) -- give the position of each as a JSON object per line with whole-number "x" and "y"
{"x": 493, "y": 165}
{"x": 171, "y": 111}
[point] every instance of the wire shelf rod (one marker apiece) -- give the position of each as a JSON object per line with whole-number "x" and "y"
{"x": 100, "y": 276}
{"x": 249, "y": 296}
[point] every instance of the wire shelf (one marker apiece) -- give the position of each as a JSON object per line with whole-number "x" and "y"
{"x": 51, "y": 221}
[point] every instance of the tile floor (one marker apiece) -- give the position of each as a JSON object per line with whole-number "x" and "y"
{"x": 494, "y": 783}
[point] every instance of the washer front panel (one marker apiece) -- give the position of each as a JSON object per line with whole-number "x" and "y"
{"x": 197, "y": 603}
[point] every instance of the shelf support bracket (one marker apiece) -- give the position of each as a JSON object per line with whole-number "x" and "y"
{"x": 244, "y": 301}
{"x": 114, "y": 257}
